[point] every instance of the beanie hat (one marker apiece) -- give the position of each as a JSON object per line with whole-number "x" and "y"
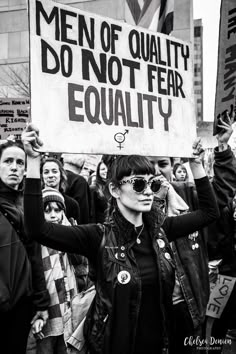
{"x": 53, "y": 195}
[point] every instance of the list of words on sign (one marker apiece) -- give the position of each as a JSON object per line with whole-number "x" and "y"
{"x": 159, "y": 59}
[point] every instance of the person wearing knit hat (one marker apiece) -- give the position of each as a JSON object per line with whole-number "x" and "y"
{"x": 53, "y": 195}
{"x": 54, "y": 176}
{"x": 60, "y": 281}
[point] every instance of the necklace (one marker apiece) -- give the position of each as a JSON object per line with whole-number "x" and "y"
{"x": 138, "y": 237}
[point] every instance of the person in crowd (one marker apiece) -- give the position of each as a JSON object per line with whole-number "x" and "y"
{"x": 180, "y": 172}
{"x": 99, "y": 198}
{"x": 60, "y": 281}
{"x": 191, "y": 258}
{"x": 23, "y": 292}
{"x": 54, "y": 176}
{"x": 77, "y": 187}
{"x": 131, "y": 312}
{"x": 163, "y": 166}
{"x": 221, "y": 234}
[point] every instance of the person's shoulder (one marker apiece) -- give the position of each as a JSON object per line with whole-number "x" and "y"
{"x": 76, "y": 178}
{"x": 182, "y": 185}
{"x": 70, "y": 200}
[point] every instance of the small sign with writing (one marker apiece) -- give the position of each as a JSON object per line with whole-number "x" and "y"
{"x": 220, "y": 294}
{"x": 14, "y": 114}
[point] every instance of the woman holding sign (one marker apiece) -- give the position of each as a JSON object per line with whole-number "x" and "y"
{"x": 135, "y": 274}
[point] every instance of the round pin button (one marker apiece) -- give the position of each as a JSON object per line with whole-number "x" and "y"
{"x": 122, "y": 248}
{"x": 123, "y": 277}
{"x": 161, "y": 243}
{"x": 167, "y": 255}
{"x": 122, "y": 255}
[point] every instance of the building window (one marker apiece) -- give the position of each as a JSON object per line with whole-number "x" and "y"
{"x": 197, "y": 69}
{"x": 3, "y": 46}
{"x": 197, "y": 31}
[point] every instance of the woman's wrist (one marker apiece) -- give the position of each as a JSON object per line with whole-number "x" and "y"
{"x": 197, "y": 169}
{"x": 33, "y": 166}
{"x": 222, "y": 147}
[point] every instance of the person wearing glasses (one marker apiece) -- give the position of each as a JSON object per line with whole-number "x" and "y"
{"x": 135, "y": 275}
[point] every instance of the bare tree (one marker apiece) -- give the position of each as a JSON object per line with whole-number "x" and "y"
{"x": 15, "y": 80}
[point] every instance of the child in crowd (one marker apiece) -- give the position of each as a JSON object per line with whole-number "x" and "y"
{"x": 60, "y": 281}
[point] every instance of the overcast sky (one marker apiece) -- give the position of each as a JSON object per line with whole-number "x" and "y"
{"x": 209, "y": 12}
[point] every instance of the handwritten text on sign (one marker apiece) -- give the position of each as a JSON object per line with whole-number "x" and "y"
{"x": 14, "y": 114}
{"x": 220, "y": 295}
{"x": 226, "y": 73}
{"x": 108, "y": 85}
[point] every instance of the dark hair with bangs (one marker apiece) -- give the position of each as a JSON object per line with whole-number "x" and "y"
{"x": 47, "y": 206}
{"x": 124, "y": 166}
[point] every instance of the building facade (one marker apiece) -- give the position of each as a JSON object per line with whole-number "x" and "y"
{"x": 198, "y": 69}
{"x": 14, "y": 37}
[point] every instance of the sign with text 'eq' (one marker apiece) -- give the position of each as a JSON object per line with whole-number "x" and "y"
{"x": 14, "y": 114}
{"x": 102, "y": 86}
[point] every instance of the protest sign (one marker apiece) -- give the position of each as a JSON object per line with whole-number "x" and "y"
{"x": 220, "y": 294}
{"x": 91, "y": 162}
{"x": 14, "y": 114}
{"x": 101, "y": 86}
{"x": 226, "y": 73}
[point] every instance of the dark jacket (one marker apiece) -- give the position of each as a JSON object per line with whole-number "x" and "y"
{"x": 116, "y": 255}
{"x": 215, "y": 240}
{"x": 72, "y": 208}
{"x": 221, "y": 240}
{"x": 99, "y": 205}
{"x": 21, "y": 269}
{"x": 192, "y": 263}
{"x": 78, "y": 188}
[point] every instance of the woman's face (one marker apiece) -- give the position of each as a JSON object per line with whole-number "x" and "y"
{"x": 180, "y": 174}
{"x": 51, "y": 175}
{"x": 103, "y": 171}
{"x": 53, "y": 213}
{"x": 130, "y": 201}
{"x": 12, "y": 166}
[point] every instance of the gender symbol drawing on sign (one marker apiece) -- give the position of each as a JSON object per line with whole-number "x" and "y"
{"x": 120, "y": 138}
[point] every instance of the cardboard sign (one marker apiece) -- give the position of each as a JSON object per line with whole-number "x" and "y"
{"x": 14, "y": 114}
{"x": 220, "y": 294}
{"x": 91, "y": 162}
{"x": 101, "y": 86}
{"x": 226, "y": 77}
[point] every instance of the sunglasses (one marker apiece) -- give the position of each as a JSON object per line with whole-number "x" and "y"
{"x": 140, "y": 184}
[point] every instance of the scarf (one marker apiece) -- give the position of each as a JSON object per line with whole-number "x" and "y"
{"x": 61, "y": 285}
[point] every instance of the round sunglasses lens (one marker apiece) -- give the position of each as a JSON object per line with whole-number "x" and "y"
{"x": 139, "y": 185}
{"x": 155, "y": 186}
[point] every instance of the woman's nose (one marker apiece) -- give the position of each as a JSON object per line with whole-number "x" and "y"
{"x": 157, "y": 169}
{"x": 14, "y": 165}
{"x": 148, "y": 190}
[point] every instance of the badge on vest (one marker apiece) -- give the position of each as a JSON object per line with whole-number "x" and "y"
{"x": 123, "y": 277}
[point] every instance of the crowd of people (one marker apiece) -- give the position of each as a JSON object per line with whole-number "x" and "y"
{"x": 147, "y": 238}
